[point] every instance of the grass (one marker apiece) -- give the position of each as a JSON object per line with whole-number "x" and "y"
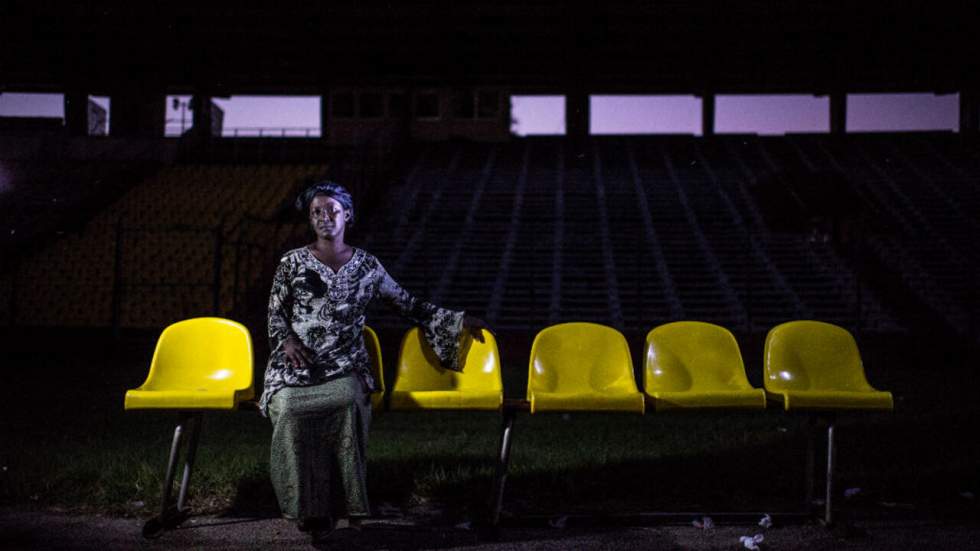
{"x": 68, "y": 444}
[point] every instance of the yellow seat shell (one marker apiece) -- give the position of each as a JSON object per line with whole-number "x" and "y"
{"x": 692, "y": 364}
{"x": 421, "y": 383}
{"x": 582, "y": 366}
{"x": 198, "y": 364}
{"x": 816, "y": 365}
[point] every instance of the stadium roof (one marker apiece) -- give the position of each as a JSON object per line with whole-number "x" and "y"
{"x": 538, "y": 46}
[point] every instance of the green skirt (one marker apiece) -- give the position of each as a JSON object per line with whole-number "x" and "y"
{"x": 318, "y": 462}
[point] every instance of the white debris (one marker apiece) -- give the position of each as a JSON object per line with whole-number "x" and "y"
{"x": 558, "y": 522}
{"x": 964, "y": 495}
{"x": 851, "y": 492}
{"x": 704, "y": 523}
{"x": 752, "y": 542}
{"x": 465, "y": 525}
{"x": 766, "y": 521}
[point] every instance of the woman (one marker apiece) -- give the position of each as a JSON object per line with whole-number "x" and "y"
{"x": 318, "y": 380}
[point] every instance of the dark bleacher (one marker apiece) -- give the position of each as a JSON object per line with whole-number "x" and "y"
{"x": 877, "y": 233}
{"x": 636, "y": 231}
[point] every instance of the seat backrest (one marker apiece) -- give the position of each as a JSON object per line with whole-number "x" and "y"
{"x": 419, "y": 368}
{"x": 374, "y": 351}
{"x": 812, "y": 355}
{"x": 580, "y": 357}
{"x": 692, "y": 356}
{"x": 202, "y": 354}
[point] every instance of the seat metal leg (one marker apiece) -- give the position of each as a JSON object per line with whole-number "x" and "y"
{"x": 811, "y": 460}
{"x": 503, "y": 459}
{"x": 829, "y": 491}
{"x": 168, "y": 481}
{"x": 155, "y": 526}
{"x": 195, "y": 433}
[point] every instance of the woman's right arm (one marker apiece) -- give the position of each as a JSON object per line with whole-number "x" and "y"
{"x": 281, "y": 334}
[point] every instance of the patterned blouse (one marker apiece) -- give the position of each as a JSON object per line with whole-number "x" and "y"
{"x": 325, "y": 310}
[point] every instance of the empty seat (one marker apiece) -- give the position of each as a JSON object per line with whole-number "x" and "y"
{"x": 691, "y": 364}
{"x": 816, "y": 365}
{"x": 200, "y": 363}
{"x": 582, "y": 367}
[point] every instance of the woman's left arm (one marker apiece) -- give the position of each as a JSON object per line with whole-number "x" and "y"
{"x": 442, "y": 328}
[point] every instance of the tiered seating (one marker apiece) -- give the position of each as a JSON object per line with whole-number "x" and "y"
{"x": 165, "y": 234}
{"x": 627, "y": 231}
{"x": 38, "y": 198}
{"x": 633, "y": 231}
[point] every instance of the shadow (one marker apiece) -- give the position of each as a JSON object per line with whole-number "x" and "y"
{"x": 254, "y": 497}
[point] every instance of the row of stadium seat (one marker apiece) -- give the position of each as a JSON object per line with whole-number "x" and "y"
{"x": 206, "y": 364}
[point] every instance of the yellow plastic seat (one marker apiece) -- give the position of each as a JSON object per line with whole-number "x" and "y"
{"x": 377, "y": 366}
{"x": 422, "y": 383}
{"x": 582, "y": 367}
{"x": 816, "y": 365}
{"x": 200, "y": 363}
{"x": 692, "y": 364}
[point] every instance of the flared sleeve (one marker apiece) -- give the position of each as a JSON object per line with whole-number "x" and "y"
{"x": 442, "y": 328}
{"x": 279, "y": 308}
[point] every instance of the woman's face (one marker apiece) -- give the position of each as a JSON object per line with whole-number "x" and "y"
{"x": 328, "y": 218}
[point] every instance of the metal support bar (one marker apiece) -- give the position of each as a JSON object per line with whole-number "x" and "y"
{"x": 811, "y": 460}
{"x": 168, "y": 480}
{"x": 503, "y": 459}
{"x": 831, "y": 452}
{"x": 195, "y": 433}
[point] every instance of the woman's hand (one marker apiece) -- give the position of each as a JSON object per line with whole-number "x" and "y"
{"x": 297, "y": 355}
{"x": 475, "y": 326}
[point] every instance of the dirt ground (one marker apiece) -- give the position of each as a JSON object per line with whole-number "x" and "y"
{"x": 47, "y": 530}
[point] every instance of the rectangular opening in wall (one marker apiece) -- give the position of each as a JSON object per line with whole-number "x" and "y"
{"x": 464, "y": 103}
{"x": 397, "y": 105}
{"x": 32, "y": 112}
{"x": 427, "y": 105}
{"x": 372, "y": 105}
{"x": 342, "y": 105}
{"x": 537, "y": 115}
{"x": 772, "y": 114}
{"x": 179, "y": 118}
{"x": 634, "y": 114}
{"x": 99, "y": 111}
{"x": 487, "y": 104}
{"x": 898, "y": 112}
{"x": 270, "y": 116}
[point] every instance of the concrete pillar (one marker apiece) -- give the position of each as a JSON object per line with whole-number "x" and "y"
{"x": 577, "y": 115}
{"x": 969, "y": 112}
{"x": 138, "y": 114}
{"x": 76, "y": 113}
{"x": 201, "y": 115}
{"x": 325, "y": 116}
{"x": 838, "y": 113}
{"x": 708, "y": 115}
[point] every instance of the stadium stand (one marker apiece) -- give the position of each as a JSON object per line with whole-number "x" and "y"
{"x": 159, "y": 253}
{"x": 629, "y": 231}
